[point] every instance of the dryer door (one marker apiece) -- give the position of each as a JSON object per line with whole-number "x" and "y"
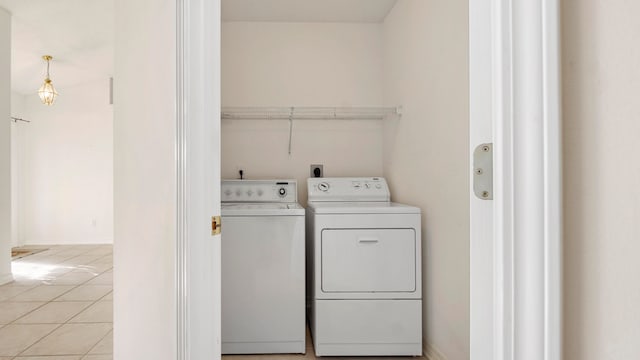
{"x": 368, "y": 260}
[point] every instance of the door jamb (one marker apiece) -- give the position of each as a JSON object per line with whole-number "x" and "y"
{"x": 518, "y": 281}
{"x": 198, "y": 300}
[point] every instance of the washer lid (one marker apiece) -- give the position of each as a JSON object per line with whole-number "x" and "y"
{"x": 262, "y": 209}
{"x": 384, "y": 207}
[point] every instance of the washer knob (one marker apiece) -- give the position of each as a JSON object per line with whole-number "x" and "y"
{"x": 282, "y": 192}
{"x": 323, "y": 186}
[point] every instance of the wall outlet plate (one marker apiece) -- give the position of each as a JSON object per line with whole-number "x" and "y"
{"x": 316, "y": 171}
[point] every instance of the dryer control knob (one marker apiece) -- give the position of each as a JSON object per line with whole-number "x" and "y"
{"x": 323, "y": 186}
{"x": 282, "y": 192}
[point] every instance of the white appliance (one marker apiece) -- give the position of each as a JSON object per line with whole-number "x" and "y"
{"x": 263, "y": 271}
{"x": 364, "y": 270}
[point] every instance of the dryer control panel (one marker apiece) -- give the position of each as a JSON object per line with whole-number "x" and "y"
{"x": 348, "y": 189}
{"x": 257, "y": 191}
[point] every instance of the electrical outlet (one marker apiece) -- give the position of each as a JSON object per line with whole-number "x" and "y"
{"x": 316, "y": 170}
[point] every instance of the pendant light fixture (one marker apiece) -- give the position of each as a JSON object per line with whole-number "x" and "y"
{"x": 47, "y": 92}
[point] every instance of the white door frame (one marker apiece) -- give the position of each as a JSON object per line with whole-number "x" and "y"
{"x": 516, "y": 238}
{"x": 198, "y": 262}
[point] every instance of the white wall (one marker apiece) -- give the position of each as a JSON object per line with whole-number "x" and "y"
{"x": 601, "y": 85}
{"x": 17, "y": 148}
{"x": 5, "y": 147}
{"x": 301, "y": 64}
{"x": 66, "y": 167}
{"x": 426, "y": 154}
{"x": 144, "y": 180}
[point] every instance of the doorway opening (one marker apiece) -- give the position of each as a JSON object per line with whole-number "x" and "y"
{"x": 60, "y": 300}
{"x": 280, "y": 56}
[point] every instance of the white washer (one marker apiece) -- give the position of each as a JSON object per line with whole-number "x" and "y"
{"x": 363, "y": 270}
{"x": 263, "y": 281}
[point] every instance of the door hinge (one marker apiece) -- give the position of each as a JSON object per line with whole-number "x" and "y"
{"x": 483, "y": 171}
{"x": 216, "y": 225}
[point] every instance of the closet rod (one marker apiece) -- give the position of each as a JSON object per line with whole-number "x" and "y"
{"x": 308, "y": 113}
{"x": 15, "y": 119}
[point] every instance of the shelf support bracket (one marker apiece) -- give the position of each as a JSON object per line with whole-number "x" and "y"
{"x": 290, "y": 127}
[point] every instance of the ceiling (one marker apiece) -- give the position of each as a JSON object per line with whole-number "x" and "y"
{"x": 372, "y": 11}
{"x": 79, "y": 34}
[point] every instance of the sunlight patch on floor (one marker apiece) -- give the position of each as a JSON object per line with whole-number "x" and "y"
{"x": 36, "y": 271}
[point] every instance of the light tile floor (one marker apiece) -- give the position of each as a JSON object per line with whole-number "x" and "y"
{"x": 60, "y": 305}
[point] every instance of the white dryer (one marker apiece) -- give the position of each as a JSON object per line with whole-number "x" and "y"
{"x": 263, "y": 271}
{"x": 364, "y": 290}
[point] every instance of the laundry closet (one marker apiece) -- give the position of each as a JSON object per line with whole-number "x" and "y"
{"x": 369, "y": 88}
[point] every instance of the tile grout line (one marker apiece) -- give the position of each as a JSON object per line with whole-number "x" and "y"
{"x": 96, "y": 344}
{"x": 13, "y": 322}
{"x": 72, "y": 287}
{"x": 78, "y": 314}
{"x": 40, "y": 339}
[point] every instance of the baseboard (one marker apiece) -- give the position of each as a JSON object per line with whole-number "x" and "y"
{"x": 54, "y": 243}
{"x": 6, "y": 278}
{"x": 431, "y": 353}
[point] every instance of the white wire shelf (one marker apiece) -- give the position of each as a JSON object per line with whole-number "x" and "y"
{"x": 308, "y": 113}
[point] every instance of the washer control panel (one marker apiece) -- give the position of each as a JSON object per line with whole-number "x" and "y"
{"x": 253, "y": 191}
{"x": 348, "y": 189}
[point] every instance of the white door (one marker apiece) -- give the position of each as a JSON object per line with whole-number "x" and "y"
{"x": 516, "y": 225}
